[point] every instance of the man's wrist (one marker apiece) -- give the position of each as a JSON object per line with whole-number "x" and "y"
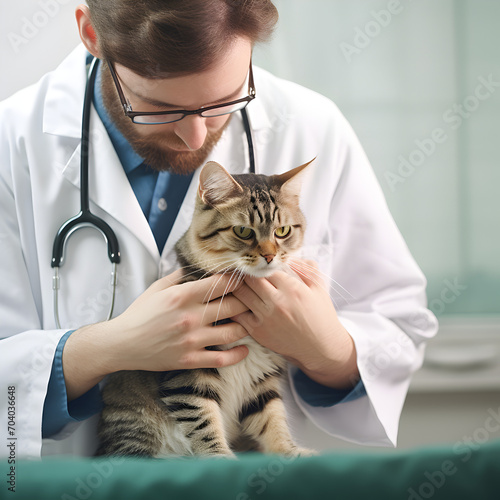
{"x": 339, "y": 369}
{"x": 87, "y": 358}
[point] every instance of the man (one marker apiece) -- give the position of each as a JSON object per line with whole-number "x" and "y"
{"x": 351, "y": 351}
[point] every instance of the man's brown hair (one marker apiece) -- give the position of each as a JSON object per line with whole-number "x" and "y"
{"x": 160, "y": 38}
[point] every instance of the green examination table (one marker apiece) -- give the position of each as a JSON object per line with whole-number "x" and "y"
{"x": 450, "y": 473}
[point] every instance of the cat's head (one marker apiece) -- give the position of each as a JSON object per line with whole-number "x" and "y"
{"x": 247, "y": 222}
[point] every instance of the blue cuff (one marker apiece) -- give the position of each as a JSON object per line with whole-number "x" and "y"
{"x": 57, "y": 412}
{"x": 316, "y": 394}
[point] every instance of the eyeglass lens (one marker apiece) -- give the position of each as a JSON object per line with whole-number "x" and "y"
{"x": 174, "y": 117}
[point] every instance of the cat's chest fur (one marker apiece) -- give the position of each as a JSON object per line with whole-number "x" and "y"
{"x": 259, "y": 363}
{"x": 240, "y": 383}
{"x": 237, "y": 388}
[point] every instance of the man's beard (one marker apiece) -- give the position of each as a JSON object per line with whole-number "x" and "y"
{"x": 155, "y": 149}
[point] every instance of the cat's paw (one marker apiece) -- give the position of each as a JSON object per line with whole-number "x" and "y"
{"x": 228, "y": 455}
{"x": 302, "y": 452}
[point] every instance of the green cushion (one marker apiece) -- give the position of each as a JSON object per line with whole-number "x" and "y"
{"x": 454, "y": 472}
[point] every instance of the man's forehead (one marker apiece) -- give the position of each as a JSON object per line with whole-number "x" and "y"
{"x": 223, "y": 81}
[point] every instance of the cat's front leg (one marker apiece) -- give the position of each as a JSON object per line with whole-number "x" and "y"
{"x": 193, "y": 410}
{"x": 196, "y": 425}
{"x": 131, "y": 423}
{"x": 264, "y": 420}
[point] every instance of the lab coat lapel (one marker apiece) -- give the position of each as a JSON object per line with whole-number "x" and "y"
{"x": 62, "y": 112}
{"x": 109, "y": 187}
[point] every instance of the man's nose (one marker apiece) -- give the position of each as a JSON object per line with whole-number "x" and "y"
{"x": 192, "y": 130}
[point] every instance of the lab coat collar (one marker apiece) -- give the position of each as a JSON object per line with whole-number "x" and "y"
{"x": 109, "y": 187}
{"x": 62, "y": 112}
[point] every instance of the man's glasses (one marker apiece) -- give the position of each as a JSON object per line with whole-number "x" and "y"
{"x": 161, "y": 117}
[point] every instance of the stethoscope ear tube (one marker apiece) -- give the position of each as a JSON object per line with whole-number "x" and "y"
{"x": 248, "y": 132}
{"x": 84, "y": 218}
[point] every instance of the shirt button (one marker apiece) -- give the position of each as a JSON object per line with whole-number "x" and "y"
{"x": 162, "y": 204}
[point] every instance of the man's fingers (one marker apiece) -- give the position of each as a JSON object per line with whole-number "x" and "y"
{"x": 248, "y": 321}
{"x": 221, "y": 334}
{"x": 203, "y": 290}
{"x": 218, "y": 359}
{"x": 249, "y": 297}
{"x": 208, "y": 289}
{"x": 167, "y": 281}
{"x": 217, "y": 310}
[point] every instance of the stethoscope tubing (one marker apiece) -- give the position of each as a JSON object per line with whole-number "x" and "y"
{"x": 85, "y": 218}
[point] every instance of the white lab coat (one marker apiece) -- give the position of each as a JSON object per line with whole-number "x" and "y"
{"x": 377, "y": 287}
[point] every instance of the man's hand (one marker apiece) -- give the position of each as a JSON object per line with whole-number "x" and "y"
{"x": 166, "y": 328}
{"x": 297, "y": 319}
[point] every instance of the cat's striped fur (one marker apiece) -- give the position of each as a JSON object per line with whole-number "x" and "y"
{"x": 234, "y": 408}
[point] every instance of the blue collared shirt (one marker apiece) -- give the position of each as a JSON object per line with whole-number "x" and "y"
{"x": 160, "y": 196}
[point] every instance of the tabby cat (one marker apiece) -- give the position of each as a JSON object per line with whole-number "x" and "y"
{"x": 247, "y": 224}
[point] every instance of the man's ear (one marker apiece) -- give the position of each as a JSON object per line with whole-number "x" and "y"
{"x": 86, "y": 30}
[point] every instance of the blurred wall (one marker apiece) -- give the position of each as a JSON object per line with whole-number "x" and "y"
{"x": 36, "y": 36}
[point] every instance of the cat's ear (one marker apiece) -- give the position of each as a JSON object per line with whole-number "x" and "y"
{"x": 291, "y": 181}
{"x": 216, "y": 184}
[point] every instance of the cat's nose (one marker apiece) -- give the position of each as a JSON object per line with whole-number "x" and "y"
{"x": 268, "y": 250}
{"x": 269, "y": 257}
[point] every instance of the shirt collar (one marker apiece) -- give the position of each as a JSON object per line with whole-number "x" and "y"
{"x": 129, "y": 159}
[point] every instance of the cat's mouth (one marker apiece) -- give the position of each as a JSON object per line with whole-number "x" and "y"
{"x": 262, "y": 269}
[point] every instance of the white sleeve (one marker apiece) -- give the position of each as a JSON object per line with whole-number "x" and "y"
{"x": 25, "y": 367}
{"x": 26, "y": 351}
{"x": 379, "y": 296}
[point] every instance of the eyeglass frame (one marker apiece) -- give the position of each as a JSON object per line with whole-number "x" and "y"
{"x": 127, "y": 107}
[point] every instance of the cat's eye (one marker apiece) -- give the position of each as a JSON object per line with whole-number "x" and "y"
{"x": 282, "y": 232}
{"x": 245, "y": 233}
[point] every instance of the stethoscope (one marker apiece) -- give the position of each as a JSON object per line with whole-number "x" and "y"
{"x": 85, "y": 218}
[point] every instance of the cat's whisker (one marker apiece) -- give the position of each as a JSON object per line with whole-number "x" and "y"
{"x": 302, "y": 273}
{"x": 333, "y": 283}
{"x": 335, "y": 295}
{"x": 321, "y": 284}
{"x": 321, "y": 274}
{"x": 222, "y": 272}
{"x": 224, "y": 293}
{"x": 208, "y": 295}
{"x": 240, "y": 277}
{"x": 209, "y": 271}
{"x": 217, "y": 269}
